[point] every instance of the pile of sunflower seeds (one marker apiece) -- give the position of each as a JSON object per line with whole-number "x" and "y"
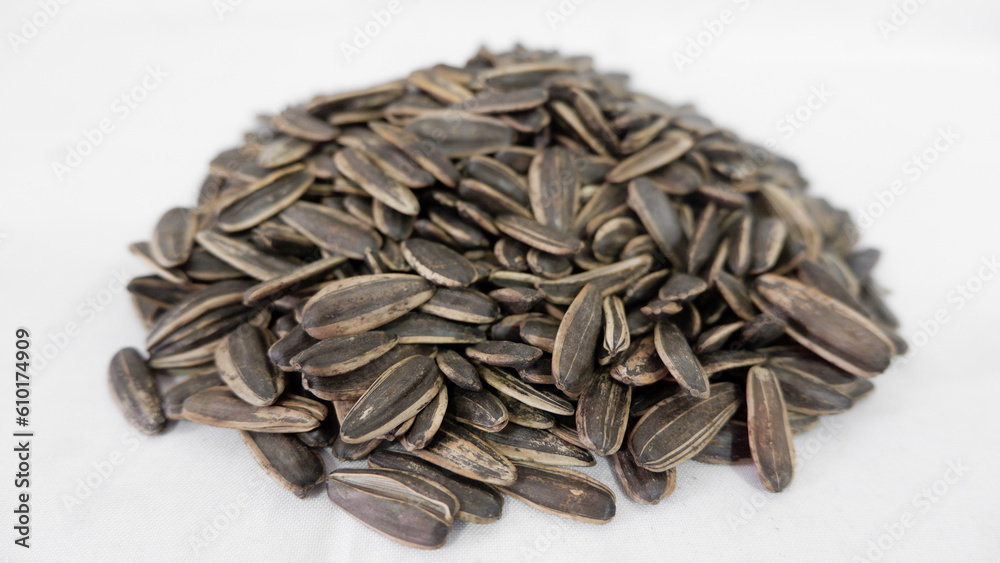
{"x": 477, "y": 276}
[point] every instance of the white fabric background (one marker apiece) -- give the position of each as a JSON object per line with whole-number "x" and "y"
{"x": 63, "y": 241}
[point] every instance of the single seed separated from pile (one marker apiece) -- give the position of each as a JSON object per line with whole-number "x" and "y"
{"x": 479, "y": 275}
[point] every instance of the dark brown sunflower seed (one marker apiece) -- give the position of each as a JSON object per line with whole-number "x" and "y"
{"x": 404, "y": 507}
{"x": 341, "y": 354}
{"x": 245, "y": 257}
{"x": 460, "y": 451}
{"x": 674, "y": 144}
{"x": 173, "y": 398}
{"x": 289, "y": 346}
{"x": 516, "y": 300}
{"x": 851, "y": 385}
{"x": 538, "y": 236}
{"x": 682, "y": 287}
{"x": 554, "y": 189}
{"x": 395, "y": 397}
{"x": 532, "y": 445}
{"x": 677, "y": 428}
{"x": 353, "y": 164}
{"x": 173, "y": 237}
{"x": 729, "y": 446}
{"x": 288, "y": 461}
{"x": 427, "y": 422}
{"x": 218, "y": 406}
{"x": 480, "y": 409}
{"x": 352, "y": 385}
{"x": 331, "y": 229}
{"x": 134, "y": 390}
{"x": 827, "y": 327}
{"x": 723, "y": 360}
{"x": 736, "y": 296}
{"x": 244, "y": 365}
{"x": 524, "y": 415}
{"x": 563, "y": 492}
{"x": 640, "y": 365}
{"x": 676, "y": 354}
{"x": 195, "y": 305}
{"x": 576, "y": 341}
{"x": 810, "y": 395}
{"x": 283, "y": 151}
{"x": 438, "y": 263}
{"x": 265, "y": 198}
{"x": 420, "y": 328}
{"x": 297, "y": 279}
{"x": 361, "y": 303}
{"x": 478, "y": 503}
{"x": 770, "y": 433}
{"x": 501, "y": 380}
{"x": 661, "y": 221}
{"x": 458, "y": 134}
{"x": 641, "y": 485}
{"x": 459, "y": 370}
{"x": 602, "y": 415}
{"x": 617, "y": 338}
{"x": 422, "y": 151}
{"x": 504, "y": 354}
{"x": 298, "y": 123}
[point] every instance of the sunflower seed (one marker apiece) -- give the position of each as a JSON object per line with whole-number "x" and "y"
{"x": 264, "y": 199}
{"x": 678, "y": 427}
{"x": 395, "y": 397}
{"x": 563, "y": 492}
{"x": 641, "y": 485}
{"x": 602, "y": 415}
{"x": 245, "y": 257}
{"x": 427, "y": 422}
{"x": 341, "y": 354}
{"x": 173, "y": 237}
{"x": 770, "y": 434}
{"x": 458, "y": 450}
{"x": 361, "y": 303}
{"x": 243, "y": 364}
{"x": 680, "y": 360}
{"x": 825, "y": 326}
{"x": 480, "y": 409}
{"x": 658, "y": 216}
{"x": 404, "y": 507}
{"x": 576, "y": 342}
{"x": 538, "y": 236}
{"x": 134, "y": 390}
{"x": 531, "y": 445}
{"x": 640, "y": 365}
{"x": 292, "y": 464}
{"x": 457, "y": 134}
{"x": 478, "y": 503}
{"x": 457, "y": 369}
{"x": 504, "y": 382}
{"x": 218, "y": 406}
{"x": 504, "y": 354}
{"x": 438, "y": 263}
